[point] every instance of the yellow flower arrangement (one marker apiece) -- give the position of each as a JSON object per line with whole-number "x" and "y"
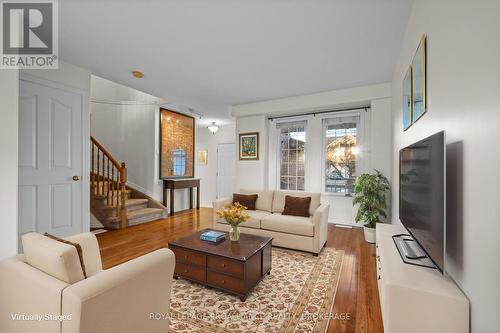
{"x": 234, "y": 214}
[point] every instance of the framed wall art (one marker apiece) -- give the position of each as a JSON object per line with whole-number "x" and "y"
{"x": 203, "y": 156}
{"x": 407, "y": 99}
{"x": 419, "y": 98}
{"x": 249, "y": 146}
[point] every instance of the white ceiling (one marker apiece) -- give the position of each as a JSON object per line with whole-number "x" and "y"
{"x": 211, "y": 54}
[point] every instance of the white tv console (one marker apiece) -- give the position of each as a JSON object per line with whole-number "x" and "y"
{"x": 416, "y": 299}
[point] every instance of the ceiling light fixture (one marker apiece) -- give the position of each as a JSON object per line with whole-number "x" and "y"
{"x": 213, "y": 127}
{"x": 138, "y": 74}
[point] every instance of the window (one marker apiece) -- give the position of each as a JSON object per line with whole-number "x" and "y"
{"x": 341, "y": 149}
{"x": 291, "y": 158}
{"x": 179, "y": 162}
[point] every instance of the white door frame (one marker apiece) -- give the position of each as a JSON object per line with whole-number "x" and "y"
{"x": 85, "y": 177}
{"x": 217, "y": 165}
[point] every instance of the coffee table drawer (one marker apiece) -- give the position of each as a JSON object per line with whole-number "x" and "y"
{"x": 190, "y": 272}
{"x": 189, "y": 257}
{"x": 225, "y": 282}
{"x": 225, "y": 265}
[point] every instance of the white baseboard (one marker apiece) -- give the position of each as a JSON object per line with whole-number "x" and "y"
{"x": 346, "y": 226}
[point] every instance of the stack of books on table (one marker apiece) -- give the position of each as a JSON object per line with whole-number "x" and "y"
{"x": 213, "y": 236}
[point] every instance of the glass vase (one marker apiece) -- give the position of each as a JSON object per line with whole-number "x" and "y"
{"x": 234, "y": 233}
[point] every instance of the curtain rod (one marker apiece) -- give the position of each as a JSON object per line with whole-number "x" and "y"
{"x": 314, "y": 113}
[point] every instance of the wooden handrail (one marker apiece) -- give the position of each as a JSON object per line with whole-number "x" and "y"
{"x": 109, "y": 179}
{"x": 102, "y": 149}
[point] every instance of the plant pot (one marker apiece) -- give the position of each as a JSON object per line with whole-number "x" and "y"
{"x": 369, "y": 234}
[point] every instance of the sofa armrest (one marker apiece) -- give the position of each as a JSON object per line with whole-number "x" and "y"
{"x": 221, "y": 203}
{"x": 27, "y": 290}
{"x": 320, "y": 220}
{"x": 122, "y": 298}
{"x": 90, "y": 249}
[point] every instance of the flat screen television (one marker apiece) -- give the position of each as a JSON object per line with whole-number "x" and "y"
{"x": 422, "y": 194}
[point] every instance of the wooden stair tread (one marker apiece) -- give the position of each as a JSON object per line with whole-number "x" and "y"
{"x": 128, "y": 203}
{"x": 113, "y": 203}
{"x": 138, "y": 214}
{"x": 143, "y": 212}
{"x": 135, "y": 201}
{"x": 116, "y": 193}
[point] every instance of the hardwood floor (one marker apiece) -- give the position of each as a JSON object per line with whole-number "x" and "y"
{"x": 357, "y": 298}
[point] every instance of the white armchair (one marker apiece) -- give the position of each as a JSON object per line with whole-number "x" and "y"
{"x": 119, "y": 299}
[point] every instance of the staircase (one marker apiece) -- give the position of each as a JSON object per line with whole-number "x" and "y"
{"x": 115, "y": 204}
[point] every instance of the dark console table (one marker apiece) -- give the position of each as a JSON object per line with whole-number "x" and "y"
{"x": 176, "y": 184}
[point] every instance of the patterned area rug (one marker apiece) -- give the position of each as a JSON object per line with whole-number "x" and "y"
{"x": 296, "y": 297}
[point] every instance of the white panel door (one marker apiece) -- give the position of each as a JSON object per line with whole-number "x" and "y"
{"x": 50, "y": 160}
{"x": 226, "y": 165}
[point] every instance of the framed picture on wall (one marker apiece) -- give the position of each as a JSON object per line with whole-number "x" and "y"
{"x": 249, "y": 146}
{"x": 203, "y": 157}
{"x": 407, "y": 99}
{"x": 419, "y": 98}
{"x": 176, "y": 145}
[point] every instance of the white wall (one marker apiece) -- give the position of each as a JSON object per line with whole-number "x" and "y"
{"x": 380, "y": 136}
{"x": 314, "y": 102}
{"x": 106, "y": 90}
{"x": 208, "y": 173}
{"x": 376, "y": 152}
{"x": 67, "y": 74}
{"x": 126, "y": 122}
{"x": 9, "y": 98}
{"x": 463, "y": 86}
{"x": 252, "y": 174}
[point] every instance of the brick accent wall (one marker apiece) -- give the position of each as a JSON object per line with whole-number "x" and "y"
{"x": 177, "y": 134}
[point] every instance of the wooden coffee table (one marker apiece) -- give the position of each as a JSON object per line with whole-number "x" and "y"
{"x": 234, "y": 267}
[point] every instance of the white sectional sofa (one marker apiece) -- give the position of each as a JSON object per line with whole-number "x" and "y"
{"x": 294, "y": 232}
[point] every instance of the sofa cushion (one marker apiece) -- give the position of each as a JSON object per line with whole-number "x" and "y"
{"x": 77, "y": 246}
{"x": 52, "y": 257}
{"x": 297, "y": 206}
{"x": 264, "y": 200}
{"x": 296, "y": 225}
{"x": 247, "y": 200}
{"x": 254, "y": 221}
{"x": 279, "y": 200}
{"x": 91, "y": 253}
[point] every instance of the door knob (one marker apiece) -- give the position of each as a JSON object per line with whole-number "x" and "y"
{"x": 76, "y": 178}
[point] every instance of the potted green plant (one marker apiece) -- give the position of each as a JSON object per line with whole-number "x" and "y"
{"x": 370, "y": 194}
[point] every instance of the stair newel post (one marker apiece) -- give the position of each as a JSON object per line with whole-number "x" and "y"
{"x": 123, "y": 181}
